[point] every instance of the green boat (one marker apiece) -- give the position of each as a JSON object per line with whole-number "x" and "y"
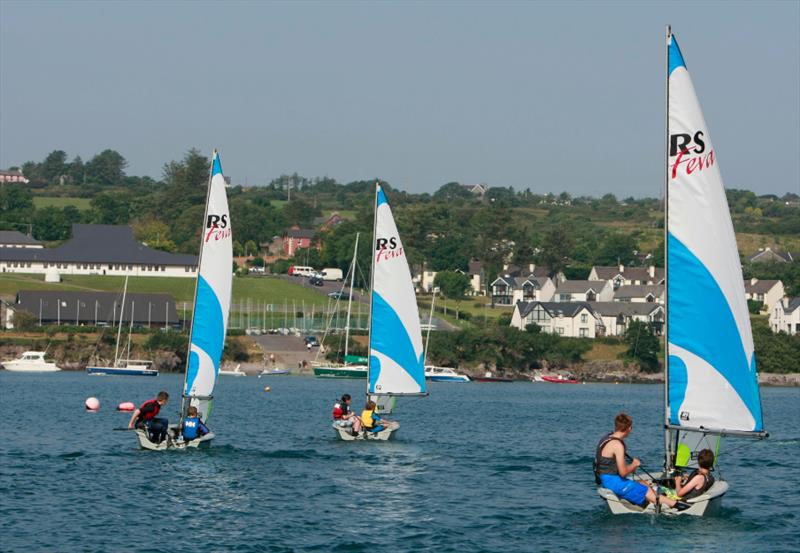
{"x": 343, "y": 371}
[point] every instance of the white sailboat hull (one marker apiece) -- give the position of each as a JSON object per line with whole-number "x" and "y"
{"x": 346, "y": 435}
{"x": 172, "y": 442}
{"x": 707, "y": 504}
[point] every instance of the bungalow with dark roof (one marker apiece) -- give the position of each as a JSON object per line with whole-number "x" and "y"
{"x": 785, "y": 316}
{"x": 98, "y": 250}
{"x": 570, "y": 319}
{"x": 583, "y": 290}
{"x": 627, "y": 276}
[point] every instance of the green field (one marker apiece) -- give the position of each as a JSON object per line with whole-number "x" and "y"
{"x": 262, "y": 289}
{"x": 54, "y": 201}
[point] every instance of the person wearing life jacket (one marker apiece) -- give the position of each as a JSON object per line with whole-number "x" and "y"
{"x": 700, "y": 480}
{"x": 611, "y": 471}
{"x": 145, "y": 417}
{"x": 370, "y": 420}
{"x": 193, "y": 427}
{"x": 344, "y": 417}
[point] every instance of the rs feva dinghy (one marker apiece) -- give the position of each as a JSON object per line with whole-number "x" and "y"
{"x": 711, "y": 383}
{"x": 212, "y": 299}
{"x": 396, "y": 364}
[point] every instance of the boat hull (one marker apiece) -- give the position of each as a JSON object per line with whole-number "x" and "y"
{"x": 554, "y": 380}
{"x": 123, "y": 371}
{"x": 459, "y": 378}
{"x": 344, "y": 433}
{"x": 172, "y": 442}
{"x": 340, "y": 372}
{"x": 707, "y": 504}
{"x": 46, "y": 368}
{"x": 274, "y": 372}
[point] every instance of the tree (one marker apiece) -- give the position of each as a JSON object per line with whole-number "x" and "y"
{"x": 556, "y": 249}
{"x": 452, "y": 191}
{"x": 155, "y": 234}
{"x": 106, "y": 168}
{"x": 452, "y": 284}
{"x": 76, "y": 170}
{"x": 250, "y": 248}
{"x": 54, "y": 165}
{"x": 643, "y": 345}
{"x": 616, "y": 248}
{"x": 300, "y": 212}
{"x": 110, "y": 209}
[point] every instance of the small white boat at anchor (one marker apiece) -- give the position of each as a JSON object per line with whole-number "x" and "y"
{"x": 30, "y": 362}
{"x": 236, "y": 371}
{"x": 444, "y": 374}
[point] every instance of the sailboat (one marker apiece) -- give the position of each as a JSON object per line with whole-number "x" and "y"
{"x": 396, "y": 363}
{"x": 354, "y": 365}
{"x": 711, "y": 383}
{"x": 212, "y": 299}
{"x": 127, "y": 366}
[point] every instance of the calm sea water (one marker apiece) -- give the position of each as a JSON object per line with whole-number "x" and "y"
{"x": 475, "y": 467}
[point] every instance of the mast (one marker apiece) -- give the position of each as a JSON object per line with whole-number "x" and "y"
{"x": 119, "y": 326}
{"x": 130, "y": 333}
{"x": 184, "y": 396}
{"x": 428, "y": 333}
{"x": 372, "y": 282}
{"x": 667, "y": 445}
{"x": 350, "y": 299}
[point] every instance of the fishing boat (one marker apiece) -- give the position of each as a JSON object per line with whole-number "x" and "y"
{"x": 212, "y": 299}
{"x": 711, "y": 383}
{"x": 396, "y": 365}
{"x": 30, "y": 362}
{"x": 354, "y": 366}
{"x": 559, "y": 379}
{"x": 126, "y": 366}
{"x": 444, "y": 374}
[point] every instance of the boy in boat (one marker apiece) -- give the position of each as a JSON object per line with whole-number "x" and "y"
{"x": 193, "y": 427}
{"x": 145, "y": 417}
{"x": 700, "y": 480}
{"x": 370, "y": 420}
{"x": 611, "y": 471}
{"x": 344, "y": 417}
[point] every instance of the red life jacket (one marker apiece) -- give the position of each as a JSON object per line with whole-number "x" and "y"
{"x": 338, "y": 412}
{"x": 153, "y": 408}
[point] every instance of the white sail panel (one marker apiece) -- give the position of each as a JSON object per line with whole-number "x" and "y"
{"x": 395, "y": 350}
{"x": 213, "y": 297}
{"x": 708, "y": 321}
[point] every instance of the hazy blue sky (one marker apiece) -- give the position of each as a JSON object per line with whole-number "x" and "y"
{"x": 551, "y": 96}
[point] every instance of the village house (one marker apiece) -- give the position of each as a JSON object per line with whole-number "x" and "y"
{"x": 478, "y": 190}
{"x": 477, "y": 277}
{"x": 98, "y": 250}
{"x": 15, "y": 239}
{"x": 627, "y": 276}
{"x": 615, "y": 317}
{"x": 768, "y": 292}
{"x": 423, "y": 278}
{"x": 508, "y": 291}
{"x": 583, "y": 290}
{"x": 640, "y": 293}
{"x": 13, "y": 176}
{"x": 785, "y": 316}
{"x": 94, "y": 308}
{"x": 295, "y": 239}
{"x": 768, "y": 255}
{"x": 569, "y": 319}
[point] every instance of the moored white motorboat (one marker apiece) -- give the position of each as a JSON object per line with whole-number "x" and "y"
{"x": 30, "y": 362}
{"x": 444, "y": 374}
{"x": 236, "y": 371}
{"x": 273, "y": 372}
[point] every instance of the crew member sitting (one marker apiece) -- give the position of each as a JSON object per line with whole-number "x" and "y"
{"x": 370, "y": 420}
{"x": 193, "y": 427}
{"x": 700, "y": 480}
{"x": 145, "y": 417}
{"x": 344, "y": 417}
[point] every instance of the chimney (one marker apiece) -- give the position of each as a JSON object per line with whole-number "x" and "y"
{"x": 621, "y": 268}
{"x": 652, "y": 271}
{"x": 753, "y": 281}
{"x": 531, "y": 267}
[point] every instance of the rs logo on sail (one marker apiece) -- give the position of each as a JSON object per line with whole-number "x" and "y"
{"x": 681, "y": 145}
{"x": 217, "y": 226}
{"x": 387, "y": 249}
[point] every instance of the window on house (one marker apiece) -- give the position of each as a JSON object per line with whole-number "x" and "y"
{"x": 584, "y": 318}
{"x": 583, "y": 332}
{"x": 590, "y": 296}
{"x": 564, "y": 297}
{"x": 559, "y": 330}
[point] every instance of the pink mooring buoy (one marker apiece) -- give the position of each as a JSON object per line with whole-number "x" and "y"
{"x": 92, "y": 404}
{"x": 126, "y": 406}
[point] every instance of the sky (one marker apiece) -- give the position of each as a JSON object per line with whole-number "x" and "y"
{"x": 562, "y": 96}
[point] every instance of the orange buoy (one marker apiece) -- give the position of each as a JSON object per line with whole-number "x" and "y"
{"x": 92, "y": 404}
{"x": 126, "y": 406}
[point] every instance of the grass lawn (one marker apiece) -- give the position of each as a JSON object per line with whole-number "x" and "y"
{"x": 604, "y": 352}
{"x": 59, "y": 202}
{"x": 278, "y": 204}
{"x": 263, "y": 289}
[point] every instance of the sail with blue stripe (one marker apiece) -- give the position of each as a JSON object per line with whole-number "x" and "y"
{"x": 212, "y": 296}
{"x": 396, "y": 364}
{"x": 712, "y": 378}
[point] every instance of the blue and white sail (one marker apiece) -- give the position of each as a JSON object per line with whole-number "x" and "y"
{"x": 396, "y": 364}
{"x": 212, "y": 296}
{"x": 712, "y": 378}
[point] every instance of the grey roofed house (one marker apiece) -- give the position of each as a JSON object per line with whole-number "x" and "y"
{"x": 759, "y": 286}
{"x": 638, "y": 291}
{"x": 13, "y": 238}
{"x": 99, "y": 244}
{"x": 580, "y": 286}
{"x": 567, "y": 308}
{"x": 300, "y": 233}
{"x": 765, "y": 255}
{"x": 70, "y": 307}
{"x": 641, "y": 274}
{"x": 627, "y": 309}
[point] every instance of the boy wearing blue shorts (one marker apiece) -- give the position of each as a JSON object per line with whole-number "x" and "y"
{"x": 611, "y": 470}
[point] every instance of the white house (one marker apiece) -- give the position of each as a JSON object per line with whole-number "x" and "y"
{"x": 573, "y": 319}
{"x": 640, "y": 293}
{"x": 767, "y": 255}
{"x": 584, "y": 290}
{"x": 614, "y": 316}
{"x": 785, "y": 316}
{"x": 477, "y": 277}
{"x": 508, "y": 290}
{"x": 627, "y": 276}
{"x": 98, "y": 250}
{"x": 768, "y": 292}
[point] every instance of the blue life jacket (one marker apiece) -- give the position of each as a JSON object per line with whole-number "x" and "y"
{"x": 191, "y": 426}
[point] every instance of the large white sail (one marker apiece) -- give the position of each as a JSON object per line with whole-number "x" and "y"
{"x": 395, "y": 349}
{"x": 213, "y": 296}
{"x": 712, "y": 380}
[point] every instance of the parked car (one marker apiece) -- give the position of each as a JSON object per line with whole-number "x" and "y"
{"x": 312, "y": 340}
{"x": 339, "y": 295}
{"x": 316, "y": 280}
{"x": 297, "y": 270}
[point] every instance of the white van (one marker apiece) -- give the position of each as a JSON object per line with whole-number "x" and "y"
{"x": 297, "y": 270}
{"x": 332, "y": 274}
